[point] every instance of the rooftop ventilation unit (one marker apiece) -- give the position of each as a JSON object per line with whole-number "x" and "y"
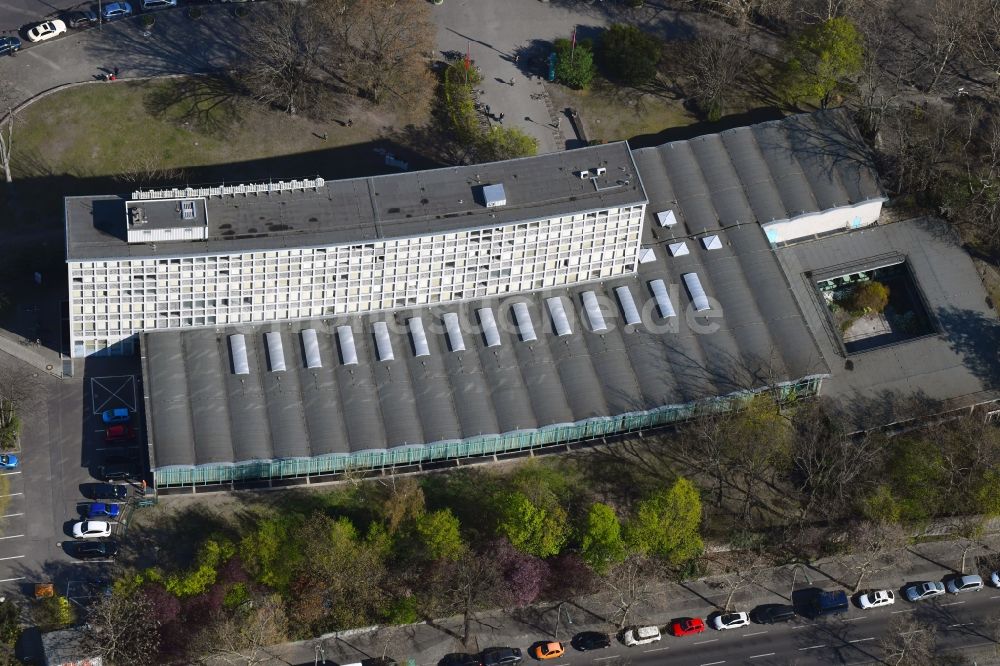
{"x": 490, "y": 331}
{"x": 275, "y": 351}
{"x": 698, "y": 296}
{"x": 137, "y": 215}
{"x": 348, "y": 352}
{"x": 631, "y": 312}
{"x": 188, "y": 210}
{"x": 599, "y": 171}
{"x": 594, "y": 313}
{"x": 494, "y": 195}
{"x": 382, "y": 342}
{"x": 311, "y": 346}
{"x": 711, "y": 242}
{"x": 679, "y": 249}
{"x": 646, "y": 255}
{"x": 662, "y": 299}
{"x": 584, "y": 175}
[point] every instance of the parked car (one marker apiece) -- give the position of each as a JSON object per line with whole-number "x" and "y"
{"x": 773, "y": 613}
{"x": 118, "y": 471}
{"x": 829, "y": 602}
{"x": 46, "y": 31}
{"x": 9, "y": 461}
{"x": 118, "y": 414}
{"x": 103, "y": 510}
{"x": 84, "y": 19}
{"x": 995, "y": 578}
{"x": 116, "y": 10}
{"x": 591, "y": 640}
{"x": 153, "y": 5}
{"x": 687, "y": 626}
{"x": 971, "y": 583}
{"x": 550, "y": 650}
{"x": 876, "y": 599}
{"x": 925, "y": 590}
{"x": 730, "y": 620}
{"x": 104, "y": 491}
{"x": 92, "y": 529}
{"x": 500, "y": 656}
{"x": 96, "y": 550}
{"x": 9, "y": 45}
{"x": 641, "y": 636}
{"x": 119, "y": 432}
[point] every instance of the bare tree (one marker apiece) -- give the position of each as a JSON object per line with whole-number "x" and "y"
{"x": 143, "y": 167}
{"x": 466, "y": 585}
{"x": 950, "y": 22}
{"x": 876, "y": 546}
{"x": 240, "y": 636}
{"x": 633, "y": 582}
{"x": 714, "y": 65}
{"x": 909, "y": 642}
{"x": 18, "y": 387}
{"x": 741, "y": 568}
{"x": 123, "y": 629}
{"x": 8, "y": 118}
{"x": 888, "y": 61}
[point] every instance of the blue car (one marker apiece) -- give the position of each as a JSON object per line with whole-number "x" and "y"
{"x": 116, "y": 415}
{"x": 8, "y": 461}
{"x": 102, "y": 510}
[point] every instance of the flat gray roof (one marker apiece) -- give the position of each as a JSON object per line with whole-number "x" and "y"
{"x": 165, "y": 213}
{"x": 365, "y": 209}
{"x": 958, "y": 365}
{"x": 201, "y": 413}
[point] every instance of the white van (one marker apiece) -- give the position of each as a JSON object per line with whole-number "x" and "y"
{"x": 642, "y": 635}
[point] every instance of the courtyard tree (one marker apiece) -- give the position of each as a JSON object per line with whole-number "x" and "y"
{"x": 714, "y": 65}
{"x": 506, "y": 143}
{"x": 602, "y": 545}
{"x": 630, "y": 55}
{"x": 536, "y": 528}
{"x": 439, "y": 535}
{"x": 822, "y": 60}
{"x": 574, "y": 62}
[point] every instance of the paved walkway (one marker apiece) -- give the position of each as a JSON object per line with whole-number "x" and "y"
{"x": 426, "y": 644}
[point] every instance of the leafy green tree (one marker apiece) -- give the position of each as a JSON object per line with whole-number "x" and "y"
{"x": 987, "y": 493}
{"x": 918, "y": 477}
{"x": 506, "y": 143}
{"x": 270, "y": 552}
{"x": 602, "y": 545}
{"x": 574, "y": 66}
{"x": 666, "y": 524}
{"x": 630, "y": 55}
{"x": 822, "y": 59}
{"x": 440, "y": 535}
{"x": 211, "y": 555}
{"x": 870, "y": 296}
{"x": 537, "y": 530}
{"x": 882, "y": 505}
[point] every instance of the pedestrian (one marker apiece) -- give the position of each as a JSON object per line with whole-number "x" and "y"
{"x": 516, "y": 58}
{"x": 113, "y": 77}
{"x": 500, "y": 118}
{"x": 324, "y": 136}
{"x": 487, "y": 109}
{"x": 116, "y": 72}
{"x": 350, "y": 123}
{"x": 512, "y": 82}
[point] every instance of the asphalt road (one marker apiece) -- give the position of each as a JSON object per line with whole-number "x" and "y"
{"x": 962, "y": 621}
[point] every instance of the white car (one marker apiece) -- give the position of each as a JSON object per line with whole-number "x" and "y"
{"x": 92, "y": 529}
{"x": 877, "y": 599}
{"x": 730, "y": 620}
{"x": 964, "y": 584}
{"x": 641, "y": 636}
{"x": 47, "y": 30}
{"x": 995, "y": 578}
{"x": 921, "y": 591}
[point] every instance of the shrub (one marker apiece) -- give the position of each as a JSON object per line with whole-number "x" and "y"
{"x": 871, "y": 296}
{"x": 630, "y": 55}
{"x": 574, "y": 65}
{"x": 147, "y": 20}
{"x": 194, "y": 13}
{"x": 10, "y": 432}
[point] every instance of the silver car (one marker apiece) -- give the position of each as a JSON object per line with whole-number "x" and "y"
{"x": 925, "y": 590}
{"x": 970, "y": 583}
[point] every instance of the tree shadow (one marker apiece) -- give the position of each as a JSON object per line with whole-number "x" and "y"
{"x": 976, "y": 338}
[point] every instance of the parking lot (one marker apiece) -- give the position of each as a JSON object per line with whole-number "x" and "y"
{"x": 63, "y": 446}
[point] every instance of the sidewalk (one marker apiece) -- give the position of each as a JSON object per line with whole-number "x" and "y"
{"x": 426, "y": 644}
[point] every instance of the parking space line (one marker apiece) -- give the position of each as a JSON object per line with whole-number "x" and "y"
{"x": 657, "y": 649}
{"x": 13, "y": 536}
{"x": 12, "y": 557}
{"x": 9, "y": 473}
{"x": 711, "y": 640}
{"x": 12, "y": 495}
{"x": 861, "y": 640}
{"x": 812, "y": 647}
{"x": 11, "y": 515}
{"x": 962, "y": 624}
{"x": 713, "y": 663}
{"x": 756, "y": 633}
{"x": 905, "y": 610}
{"x": 11, "y": 580}
{"x": 605, "y": 658}
{"x": 758, "y": 656}
{"x": 953, "y": 603}
{"x": 853, "y": 619}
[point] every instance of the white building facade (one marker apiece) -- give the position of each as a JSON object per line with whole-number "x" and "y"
{"x": 111, "y": 300}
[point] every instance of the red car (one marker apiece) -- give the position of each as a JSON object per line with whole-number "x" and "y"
{"x": 118, "y": 432}
{"x": 687, "y": 626}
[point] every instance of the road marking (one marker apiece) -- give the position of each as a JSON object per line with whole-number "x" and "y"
{"x": 758, "y": 656}
{"x": 12, "y": 557}
{"x": 853, "y": 619}
{"x": 657, "y": 649}
{"x": 995, "y": 596}
{"x": 711, "y": 640}
{"x": 9, "y": 473}
{"x": 915, "y": 631}
{"x": 605, "y": 658}
{"x": 811, "y": 647}
{"x": 756, "y": 633}
{"x": 9, "y": 580}
{"x": 12, "y": 495}
{"x": 962, "y": 624}
{"x": 905, "y": 610}
{"x": 713, "y": 663}
{"x": 11, "y": 515}
{"x": 13, "y": 536}
{"x": 800, "y": 626}
{"x": 861, "y": 640}
{"x": 954, "y": 603}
